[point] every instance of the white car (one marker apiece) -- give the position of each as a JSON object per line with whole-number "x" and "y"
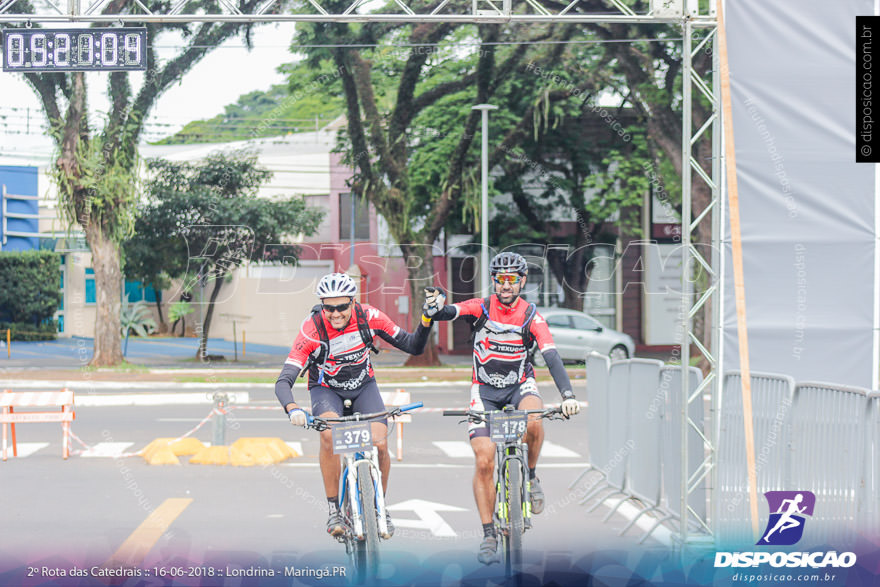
{"x": 577, "y": 333}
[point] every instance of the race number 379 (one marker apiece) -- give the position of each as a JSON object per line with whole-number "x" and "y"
{"x": 352, "y": 437}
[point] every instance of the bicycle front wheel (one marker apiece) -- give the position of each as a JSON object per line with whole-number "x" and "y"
{"x": 368, "y": 548}
{"x": 515, "y": 514}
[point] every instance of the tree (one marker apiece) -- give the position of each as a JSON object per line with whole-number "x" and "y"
{"x": 205, "y": 219}
{"x": 400, "y": 82}
{"x": 96, "y": 166}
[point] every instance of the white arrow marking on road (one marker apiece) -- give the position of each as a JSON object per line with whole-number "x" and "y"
{"x": 429, "y": 518}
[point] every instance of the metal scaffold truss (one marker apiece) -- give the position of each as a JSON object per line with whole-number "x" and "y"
{"x": 475, "y": 11}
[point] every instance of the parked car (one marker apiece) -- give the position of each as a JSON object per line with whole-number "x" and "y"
{"x": 577, "y": 333}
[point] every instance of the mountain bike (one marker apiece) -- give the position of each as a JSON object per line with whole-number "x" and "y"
{"x": 512, "y": 488}
{"x": 361, "y": 498}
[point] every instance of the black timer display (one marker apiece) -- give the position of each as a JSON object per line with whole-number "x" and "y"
{"x": 98, "y": 49}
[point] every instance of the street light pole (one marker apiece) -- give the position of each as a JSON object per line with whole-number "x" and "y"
{"x": 484, "y": 204}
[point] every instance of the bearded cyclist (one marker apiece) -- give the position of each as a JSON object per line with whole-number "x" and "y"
{"x": 504, "y": 326}
{"x": 334, "y": 346}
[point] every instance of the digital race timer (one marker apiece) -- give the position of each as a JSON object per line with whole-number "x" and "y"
{"x": 103, "y": 49}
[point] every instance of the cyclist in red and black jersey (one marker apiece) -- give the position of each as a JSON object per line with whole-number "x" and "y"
{"x": 503, "y": 331}
{"x": 335, "y": 344}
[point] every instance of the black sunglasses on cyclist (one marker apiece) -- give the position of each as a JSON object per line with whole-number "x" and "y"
{"x": 337, "y": 308}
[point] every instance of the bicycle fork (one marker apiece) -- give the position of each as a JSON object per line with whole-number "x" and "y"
{"x": 508, "y": 455}
{"x": 353, "y": 493}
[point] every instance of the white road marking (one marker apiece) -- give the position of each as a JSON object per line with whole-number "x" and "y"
{"x": 461, "y": 449}
{"x": 429, "y": 519}
{"x": 551, "y": 449}
{"x": 107, "y": 449}
{"x": 456, "y": 449}
{"x": 155, "y": 399}
{"x": 26, "y": 449}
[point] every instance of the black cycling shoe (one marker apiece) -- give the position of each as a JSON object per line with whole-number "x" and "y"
{"x": 536, "y": 496}
{"x": 335, "y": 525}
{"x": 488, "y": 553}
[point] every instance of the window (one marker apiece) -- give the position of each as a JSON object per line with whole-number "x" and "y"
{"x": 90, "y": 286}
{"x": 137, "y": 292}
{"x": 585, "y": 323}
{"x": 361, "y": 218}
{"x": 559, "y": 321}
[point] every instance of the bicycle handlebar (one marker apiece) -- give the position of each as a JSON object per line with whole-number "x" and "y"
{"x": 319, "y": 423}
{"x": 483, "y": 414}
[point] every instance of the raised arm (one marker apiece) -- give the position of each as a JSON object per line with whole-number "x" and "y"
{"x": 409, "y": 342}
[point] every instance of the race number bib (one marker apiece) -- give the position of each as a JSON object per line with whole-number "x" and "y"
{"x": 507, "y": 426}
{"x": 351, "y": 437}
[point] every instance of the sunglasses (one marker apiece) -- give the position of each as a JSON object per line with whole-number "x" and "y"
{"x": 512, "y": 279}
{"x": 337, "y": 308}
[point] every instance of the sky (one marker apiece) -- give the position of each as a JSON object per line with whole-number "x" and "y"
{"x": 218, "y": 79}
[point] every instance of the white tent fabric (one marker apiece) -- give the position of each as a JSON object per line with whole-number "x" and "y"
{"x": 808, "y": 210}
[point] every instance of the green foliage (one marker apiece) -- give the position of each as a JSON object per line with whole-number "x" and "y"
{"x": 179, "y": 309}
{"x": 311, "y": 96}
{"x": 105, "y": 189}
{"x": 136, "y": 318}
{"x": 204, "y": 218}
{"x": 31, "y": 291}
{"x": 25, "y": 331}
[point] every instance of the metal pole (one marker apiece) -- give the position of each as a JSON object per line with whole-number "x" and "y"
{"x": 351, "y": 234}
{"x": 484, "y": 201}
{"x": 234, "y": 341}
{"x": 686, "y": 215}
{"x": 219, "y": 436}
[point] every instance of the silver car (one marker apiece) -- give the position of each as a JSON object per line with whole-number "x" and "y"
{"x": 576, "y": 334}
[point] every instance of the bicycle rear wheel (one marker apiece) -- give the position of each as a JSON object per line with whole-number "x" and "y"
{"x": 368, "y": 548}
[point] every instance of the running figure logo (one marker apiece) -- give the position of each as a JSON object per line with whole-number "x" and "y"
{"x": 787, "y": 511}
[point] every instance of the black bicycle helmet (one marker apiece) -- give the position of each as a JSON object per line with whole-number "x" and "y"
{"x": 508, "y": 262}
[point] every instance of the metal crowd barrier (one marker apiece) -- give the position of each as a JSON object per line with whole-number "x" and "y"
{"x": 828, "y": 440}
{"x": 610, "y": 460}
{"x": 870, "y": 499}
{"x": 597, "y": 414}
{"x": 633, "y": 417}
{"x": 772, "y": 397}
{"x": 643, "y": 451}
{"x": 817, "y": 437}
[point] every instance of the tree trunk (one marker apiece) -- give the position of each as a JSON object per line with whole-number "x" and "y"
{"x": 420, "y": 273}
{"x": 163, "y": 326}
{"x": 202, "y": 353}
{"x": 108, "y": 293}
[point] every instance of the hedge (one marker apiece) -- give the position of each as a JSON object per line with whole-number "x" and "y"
{"x": 30, "y": 291}
{"x": 28, "y": 332}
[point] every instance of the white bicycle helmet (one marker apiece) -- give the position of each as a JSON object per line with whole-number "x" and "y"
{"x": 336, "y": 285}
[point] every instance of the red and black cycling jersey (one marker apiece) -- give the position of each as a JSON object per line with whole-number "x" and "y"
{"x": 500, "y": 354}
{"x": 347, "y": 366}
{"x": 348, "y": 363}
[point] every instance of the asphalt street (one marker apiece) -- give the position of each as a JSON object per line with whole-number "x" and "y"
{"x": 234, "y": 522}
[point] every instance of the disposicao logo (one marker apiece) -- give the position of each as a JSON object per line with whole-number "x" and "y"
{"x": 788, "y": 515}
{"x": 787, "y": 510}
